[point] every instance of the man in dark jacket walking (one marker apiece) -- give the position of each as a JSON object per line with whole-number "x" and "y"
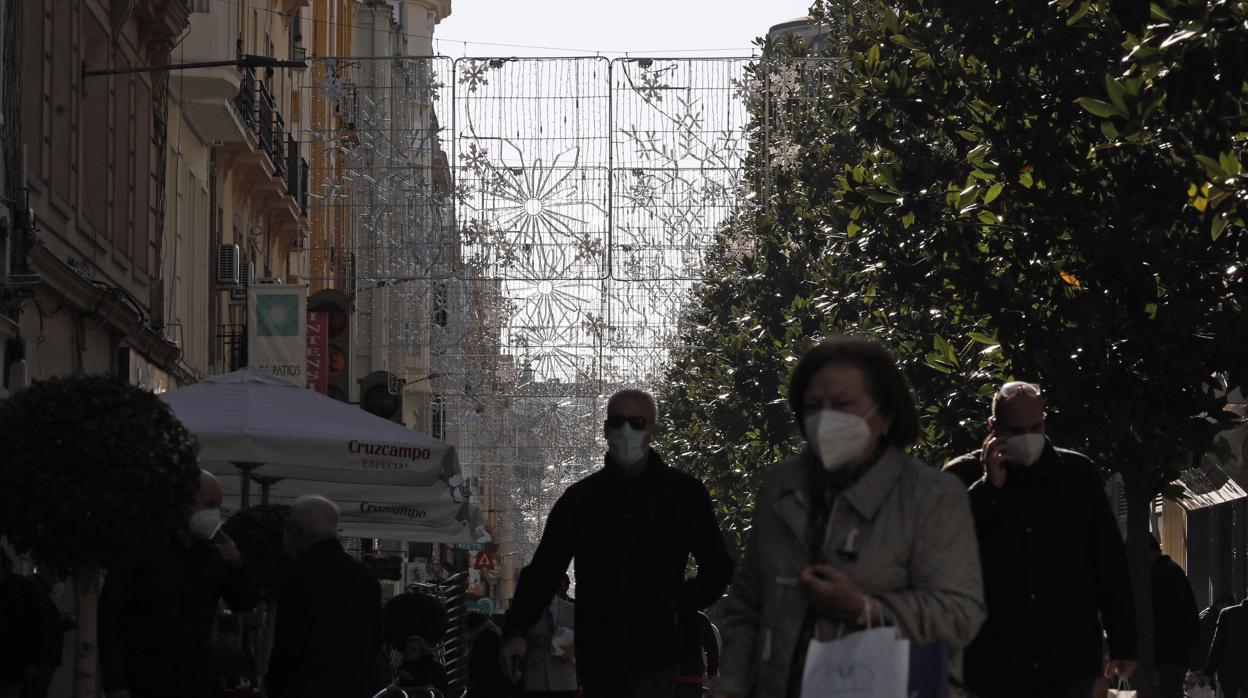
{"x": 1176, "y": 625}
{"x": 327, "y": 635}
{"x": 1053, "y": 561}
{"x": 156, "y": 617}
{"x": 631, "y": 527}
{"x": 1230, "y": 646}
{"x": 328, "y": 631}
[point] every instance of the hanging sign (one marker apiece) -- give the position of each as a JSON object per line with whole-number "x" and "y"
{"x": 277, "y": 330}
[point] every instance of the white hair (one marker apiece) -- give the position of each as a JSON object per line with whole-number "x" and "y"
{"x": 313, "y": 518}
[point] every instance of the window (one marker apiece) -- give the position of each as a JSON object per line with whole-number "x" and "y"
{"x": 438, "y": 427}
{"x": 440, "y": 315}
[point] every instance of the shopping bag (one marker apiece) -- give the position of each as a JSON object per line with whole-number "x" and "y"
{"x": 1199, "y": 691}
{"x": 1123, "y": 690}
{"x": 874, "y": 663}
{"x": 929, "y": 670}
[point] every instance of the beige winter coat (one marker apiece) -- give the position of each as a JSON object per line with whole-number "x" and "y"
{"x": 915, "y": 552}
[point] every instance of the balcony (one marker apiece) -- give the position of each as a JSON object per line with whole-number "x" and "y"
{"x": 271, "y": 153}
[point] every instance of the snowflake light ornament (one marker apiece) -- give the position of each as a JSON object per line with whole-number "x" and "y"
{"x": 473, "y": 75}
{"x": 785, "y": 156}
{"x": 785, "y": 82}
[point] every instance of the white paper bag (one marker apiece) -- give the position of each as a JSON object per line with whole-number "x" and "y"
{"x": 874, "y": 663}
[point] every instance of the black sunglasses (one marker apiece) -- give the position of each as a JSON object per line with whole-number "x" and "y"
{"x": 616, "y": 421}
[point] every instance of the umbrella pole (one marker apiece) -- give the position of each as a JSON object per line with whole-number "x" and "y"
{"x": 244, "y": 474}
{"x": 265, "y": 484}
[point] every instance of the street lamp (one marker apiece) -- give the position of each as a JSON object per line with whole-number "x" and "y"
{"x": 243, "y": 61}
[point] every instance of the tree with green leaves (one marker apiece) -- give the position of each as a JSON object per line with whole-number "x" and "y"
{"x": 1049, "y": 192}
{"x": 96, "y": 474}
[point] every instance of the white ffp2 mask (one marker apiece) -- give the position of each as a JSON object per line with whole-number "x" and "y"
{"x": 838, "y": 438}
{"x": 205, "y": 523}
{"x": 1025, "y": 449}
{"x": 625, "y": 444}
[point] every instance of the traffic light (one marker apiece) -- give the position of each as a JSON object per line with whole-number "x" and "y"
{"x": 337, "y": 305}
{"x": 381, "y": 393}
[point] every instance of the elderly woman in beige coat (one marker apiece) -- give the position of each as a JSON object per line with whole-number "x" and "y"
{"x": 853, "y": 532}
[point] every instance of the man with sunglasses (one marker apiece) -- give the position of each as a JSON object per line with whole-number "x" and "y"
{"x": 631, "y": 528}
{"x": 1055, "y": 571}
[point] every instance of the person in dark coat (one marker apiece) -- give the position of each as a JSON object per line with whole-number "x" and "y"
{"x": 22, "y": 627}
{"x": 631, "y": 528}
{"x": 1176, "y": 623}
{"x": 156, "y": 616}
{"x": 1054, "y": 564}
{"x": 485, "y": 675}
{"x": 49, "y": 584}
{"x": 328, "y": 633}
{"x": 420, "y": 668}
{"x": 1208, "y": 624}
{"x": 233, "y": 672}
{"x": 1230, "y": 647}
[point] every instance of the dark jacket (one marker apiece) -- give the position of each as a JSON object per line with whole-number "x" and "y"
{"x": 328, "y": 633}
{"x": 1176, "y": 621}
{"x": 1208, "y": 624}
{"x": 631, "y": 539}
{"x": 485, "y": 675}
{"x": 22, "y": 627}
{"x": 156, "y": 620}
{"x": 425, "y": 671}
{"x": 1230, "y": 646}
{"x": 967, "y": 467}
{"x": 1054, "y": 568}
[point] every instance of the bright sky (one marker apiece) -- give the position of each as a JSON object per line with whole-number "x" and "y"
{"x": 648, "y": 27}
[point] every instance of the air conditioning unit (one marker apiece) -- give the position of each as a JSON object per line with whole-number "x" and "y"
{"x": 238, "y": 294}
{"x": 229, "y": 260}
{"x": 269, "y": 280}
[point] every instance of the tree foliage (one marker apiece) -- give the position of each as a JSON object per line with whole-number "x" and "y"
{"x": 258, "y": 532}
{"x": 95, "y": 472}
{"x": 1043, "y": 191}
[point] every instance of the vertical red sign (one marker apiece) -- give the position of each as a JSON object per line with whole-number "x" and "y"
{"x": 318, "y": 351}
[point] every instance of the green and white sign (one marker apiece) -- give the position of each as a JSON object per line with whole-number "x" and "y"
{"x": 277, "y": 330}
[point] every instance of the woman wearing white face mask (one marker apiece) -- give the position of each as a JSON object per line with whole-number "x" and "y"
{"x": 850, "y": 533}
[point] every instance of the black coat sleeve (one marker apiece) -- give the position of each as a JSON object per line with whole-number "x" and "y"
{"x": 538, "y": 582}
{"x": 710, "y": 552}
{"x": 1113, "y": 577}
{"x": 1218, "y": 646}
{"x": 292, "y": 632}
{"x": 239, "y": 588}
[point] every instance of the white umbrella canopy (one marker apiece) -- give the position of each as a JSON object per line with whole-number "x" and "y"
{"x": 389, "y": 481}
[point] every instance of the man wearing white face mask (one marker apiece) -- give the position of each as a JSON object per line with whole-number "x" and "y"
{"x": 156, "y": 616}
{"x": 1055, "y": 570}
{"x": 631, "y": 528}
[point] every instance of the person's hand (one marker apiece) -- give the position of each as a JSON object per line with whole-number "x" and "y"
{"x": 228, "y": 550}
{"x": 831, "y": 592}
{"x": 993, "y": 457}
{"x": 510, "y": 656}
{"x": 1120, "y": 668}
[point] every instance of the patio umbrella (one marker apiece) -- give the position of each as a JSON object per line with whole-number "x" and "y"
{"x": 389, "y": 481}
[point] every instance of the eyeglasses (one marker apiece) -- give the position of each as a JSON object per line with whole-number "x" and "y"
{"x": 1013, "y": 388}
{"x": 616, "y": 421}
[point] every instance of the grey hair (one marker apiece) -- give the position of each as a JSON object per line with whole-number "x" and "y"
{"x": 313, "y": 518}
{"x": 633, "y": 394}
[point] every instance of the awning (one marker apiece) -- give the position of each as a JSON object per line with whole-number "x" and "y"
{"x": 1206, "y": 486}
